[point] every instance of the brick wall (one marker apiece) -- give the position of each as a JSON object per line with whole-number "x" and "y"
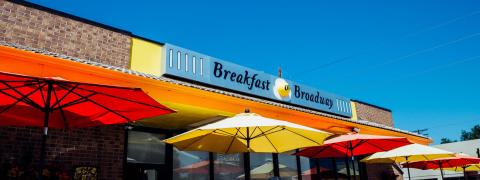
{"x": 66, "y": 148}
{"x": 30, "y": 26}
{"x": 40, "y": 29}
{"x": 373, "y": 113}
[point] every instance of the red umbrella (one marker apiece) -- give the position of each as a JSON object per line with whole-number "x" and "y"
{"x": 24, "y": 100}
{"x": 351, "y": 145}
{"x": 458, "y": 161}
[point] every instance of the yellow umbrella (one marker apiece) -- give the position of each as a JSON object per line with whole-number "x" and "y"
{"x": 249, "y": 132}
{"x": 465, "y": 169}
{"x": 408, "y": 153}
{"x": 470, "y": 167}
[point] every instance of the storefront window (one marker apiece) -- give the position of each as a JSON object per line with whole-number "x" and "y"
{"x": 287, "y": 165}
{"x": 144, "y": 147}
{"x": 357, "y": 168}
{"x": 307, "y": 169}
{"x": 261, "y": 165}
{"x": 342, "y": 170}
{"x": 190, "y": 165}
{"x": 228, "y": 166}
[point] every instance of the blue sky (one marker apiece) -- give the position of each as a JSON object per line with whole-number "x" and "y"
{"x": 418, "y": 58}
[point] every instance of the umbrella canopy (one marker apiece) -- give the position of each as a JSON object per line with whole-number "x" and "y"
{"x": 410, "y": 153}
{"x": 58, "y": 103}
{"x": 24, "y": 99}
{"x": 249, "y": 132}
{"x": 468, "y": 167}
{"x": 354, "y": 145}
{"x": 458, "y": 161}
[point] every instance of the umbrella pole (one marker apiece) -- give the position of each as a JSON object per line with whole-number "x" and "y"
{"x": 353, "y": 162}
{"x": 441, "y": 170}
{"x": 464, "y": 173}
{"x": 408, "y": 168}
{"x": 347, "y": 163}
{"x": 45, "y": 127}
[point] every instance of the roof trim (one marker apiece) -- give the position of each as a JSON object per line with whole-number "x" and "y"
{"x": 375, "y": 106}
{"x": 174, "y": 81}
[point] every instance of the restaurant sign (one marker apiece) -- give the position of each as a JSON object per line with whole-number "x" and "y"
{"x": 190, "y": 65}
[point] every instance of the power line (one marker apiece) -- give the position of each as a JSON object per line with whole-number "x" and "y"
{"x": 458, "y": 18}
{"x": 433, "y": 68}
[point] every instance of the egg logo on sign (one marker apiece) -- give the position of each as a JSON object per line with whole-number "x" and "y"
{"x": 282, "y": 90}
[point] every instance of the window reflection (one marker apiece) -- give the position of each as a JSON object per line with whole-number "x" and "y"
{"x": 261, "y": 166}
{"x": 342, "y": 170}
{"x": 144, "y": 147}
{"x": 287, "y": 165}
{"x": 190, "y": 165}
{"x": 228, "y": 166}
{"x": 308, "y": 168}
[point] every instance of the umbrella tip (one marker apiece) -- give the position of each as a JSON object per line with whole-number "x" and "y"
{"x": 247, "y": 110}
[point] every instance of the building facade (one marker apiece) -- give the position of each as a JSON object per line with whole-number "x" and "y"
{"x": 39, "y": 41}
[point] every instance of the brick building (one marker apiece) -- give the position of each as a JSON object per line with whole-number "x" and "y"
{"x": 79, "y": 49}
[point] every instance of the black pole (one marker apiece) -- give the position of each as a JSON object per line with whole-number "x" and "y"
{"x": 317, "y": 167}
{"x": 408, "y": 167}
{"x": 464, "y": 173}
{"x": 441, "y": 173}
{"x": 334, "y": 163}
{"x": 46, "y": 112}
{"x": 353, "y": 161}
{"x": 246, "y": 157}
{"x": 246, "y": 165}
{"x": 299, "y": 166}
{"x": 347, "y": 163}
{"x": 276, "y": 168}
{"x": 211, "y": 167}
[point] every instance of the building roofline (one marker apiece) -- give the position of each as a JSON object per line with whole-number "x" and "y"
{"x": 69, "y": 16}
{"x": 363, "y": 102}
{"x": 147, "y": 39}
{"x": 215, "y": 90}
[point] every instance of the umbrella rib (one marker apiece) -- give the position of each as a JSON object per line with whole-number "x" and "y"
{"x": 20, "y": 100}
{"x": 303, "y": 136}
{"x": 64, "y": 118}
{"x": 276, "y": 150}
{"x": 102, "y": 106}
{"x": 379, "y": 147}
{"x": 125, "y": 99}
{"x": 21, "y": 86}
{"x": 363, "y": 141}
{"x": 221, "y": 130}
{"x": 267, "y": 132}
{"x": 254, "y": 129}
{"x": 244, "y": 137}
{"x": 24, "y": 97}
{"x": 65, "y": 95}
{"x": 273, "y": 132}
{"x": 19, "y": 81}
{"x": 76, "y": 101}
{"x": 233, "y": 138}
{"x": 321, "y": 149}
